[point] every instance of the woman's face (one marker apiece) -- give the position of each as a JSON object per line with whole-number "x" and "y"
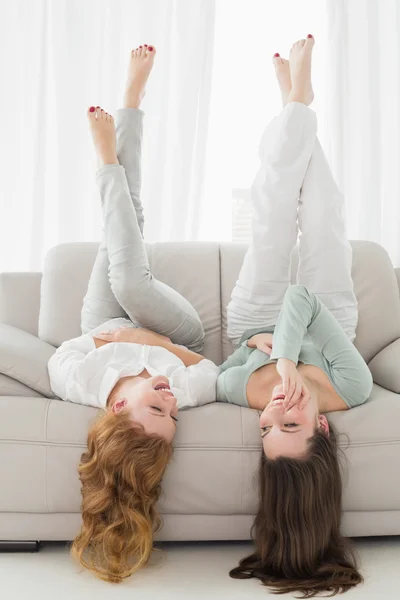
{"x": 150, "y": 405}
{"x": 286, "y": 433}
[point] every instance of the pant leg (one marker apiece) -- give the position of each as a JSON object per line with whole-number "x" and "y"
{"x": 100, "y": 304}
{"x": 325, "y": 253}
{"x": 147, "y": 301}
{"x": 285, "y": 150}
{"x": 123, "y": 285}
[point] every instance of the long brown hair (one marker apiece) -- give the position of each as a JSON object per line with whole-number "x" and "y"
{"x": 120, "y": 474}
{"x": 298, "y": 545}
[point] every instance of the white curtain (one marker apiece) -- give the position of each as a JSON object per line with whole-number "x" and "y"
{"x": 57, "y": 57}
{"x": 363, "y": 116}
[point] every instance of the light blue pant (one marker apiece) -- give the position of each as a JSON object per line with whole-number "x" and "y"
{"x": 121, "y": 283}
{"x": 294, "y": 190}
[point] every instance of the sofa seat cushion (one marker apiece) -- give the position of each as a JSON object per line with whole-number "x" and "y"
{"x": 214, "y": 467}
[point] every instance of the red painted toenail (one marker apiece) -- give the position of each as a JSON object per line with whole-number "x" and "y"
{"x": 140, "y": 46}
{"x": 145, "y": 45}
{"x": 309, "y": 35}
{"x": 277, "y": 54}
{"x": 150, "y": 48}
{"x": 92, "y": 109}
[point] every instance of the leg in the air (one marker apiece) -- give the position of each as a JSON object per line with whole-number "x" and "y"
{"x": 285, "y": 150}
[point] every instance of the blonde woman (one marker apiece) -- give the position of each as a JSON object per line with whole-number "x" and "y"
{"x": 138, "y": 378}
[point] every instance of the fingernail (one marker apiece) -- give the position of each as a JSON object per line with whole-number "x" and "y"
{"x": 309, "y": 35}
{"x": 277, "y": 54}
{"x": 151, "y": 48}
{"x": 92, "y": 109}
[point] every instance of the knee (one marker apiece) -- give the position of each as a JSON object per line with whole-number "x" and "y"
{"x": 128, "y": 291}
{"x": 194, "y": 339}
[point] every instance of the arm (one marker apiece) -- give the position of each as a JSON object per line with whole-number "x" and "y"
{"x": 146, "y": 337}
{"x": 188, "y": 357}
{"x": 234, "y": 360}
{"x": 83, "y": 374}
{"x": 303, "y": 312}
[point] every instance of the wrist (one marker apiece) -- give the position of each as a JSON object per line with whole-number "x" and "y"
{"x": 282, "y": 359}
{"x": 251, "y": 343}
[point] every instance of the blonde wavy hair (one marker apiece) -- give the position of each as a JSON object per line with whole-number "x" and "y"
{"x": 120, "y": 473}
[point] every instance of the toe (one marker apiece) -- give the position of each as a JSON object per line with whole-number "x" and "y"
{"x": 309, "y": 42}
{"x": 276, "y": 58}
{"x": 151, "y": 50}
{"x": 91, "y": 112}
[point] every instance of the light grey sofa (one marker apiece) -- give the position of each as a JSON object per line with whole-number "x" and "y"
{"x": 210, "y": 486}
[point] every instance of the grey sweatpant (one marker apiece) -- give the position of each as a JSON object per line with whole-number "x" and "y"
{"x": 121, "y": 284}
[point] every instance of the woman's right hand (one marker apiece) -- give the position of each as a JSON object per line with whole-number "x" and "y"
{"x": 294, "y": 388}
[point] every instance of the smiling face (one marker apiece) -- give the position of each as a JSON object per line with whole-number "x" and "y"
{"x": 287, "y": 433}
{"x": 149, "y": 402}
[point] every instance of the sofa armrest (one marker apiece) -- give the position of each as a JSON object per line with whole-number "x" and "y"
{"x": 24, "y": 357}
{"x": 20, "y": 300}
{"x": 385, "y": 367}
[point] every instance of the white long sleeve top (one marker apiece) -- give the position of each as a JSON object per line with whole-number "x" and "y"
{"x": 81, "y": 373}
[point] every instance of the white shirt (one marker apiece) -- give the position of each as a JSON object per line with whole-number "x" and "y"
{"x": 81, "y": 373}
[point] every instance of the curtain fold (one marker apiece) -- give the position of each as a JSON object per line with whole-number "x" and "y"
{"x": 60, "y": 57}
{"x": 363, "y": 116}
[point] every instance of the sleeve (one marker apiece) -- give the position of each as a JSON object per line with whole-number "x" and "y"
{"x": 195, "y": 385}
{"x": 236, "y": 359}
{"x": 303, "y": 312}
{"x": 77, "y": 372}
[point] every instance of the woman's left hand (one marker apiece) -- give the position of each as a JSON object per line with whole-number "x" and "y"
{"x": 262, "y": 341}
{"x": 136, "y": 335}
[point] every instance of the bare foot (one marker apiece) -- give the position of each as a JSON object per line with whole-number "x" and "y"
{"x": 140, "y": 65}
{"x": 103, "y": 133}
{"x": 300, "y": 71}
{"x": 283, "y": 75}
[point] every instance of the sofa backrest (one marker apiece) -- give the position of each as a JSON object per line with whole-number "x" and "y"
{"x": 192, "y": 268}
{"x": 205, "y": 273}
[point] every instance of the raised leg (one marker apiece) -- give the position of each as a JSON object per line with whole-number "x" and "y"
{"x": 147, "y": 301}
{"x": 100, "y": 304}
{"x": 121, "y": 283}
{"x": 285, "y": 150}
{"x": 325, "y": 253}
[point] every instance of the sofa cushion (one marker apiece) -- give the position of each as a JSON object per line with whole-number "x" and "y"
{"x": 214, "y": 467}
{"x": 192, "y": 268}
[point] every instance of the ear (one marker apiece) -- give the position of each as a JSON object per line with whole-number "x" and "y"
{"x": 119, "y": 405}
{"x": 323, "y": 424}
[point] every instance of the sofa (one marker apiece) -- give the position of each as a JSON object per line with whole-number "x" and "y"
{"x": 210, "y": 487}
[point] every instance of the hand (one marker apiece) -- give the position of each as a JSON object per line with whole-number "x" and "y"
{"x": 293, "y": 385}
{"x": 136, "y": 335}
{"x": 262, "y": 341}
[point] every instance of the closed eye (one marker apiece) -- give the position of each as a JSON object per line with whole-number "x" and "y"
{"x": 266, "y": 429}
{"x": 159, "y": 410}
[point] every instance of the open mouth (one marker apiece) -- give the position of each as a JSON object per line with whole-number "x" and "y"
{"x": 163, "y": 387}
{"x": 278, "y": 397}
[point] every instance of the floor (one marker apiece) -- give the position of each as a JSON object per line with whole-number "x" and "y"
{"x": 190, "y": 571}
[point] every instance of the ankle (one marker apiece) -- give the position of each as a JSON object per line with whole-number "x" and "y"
{"x": 297, "y": 96}
{"x": 132, "y": 99}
